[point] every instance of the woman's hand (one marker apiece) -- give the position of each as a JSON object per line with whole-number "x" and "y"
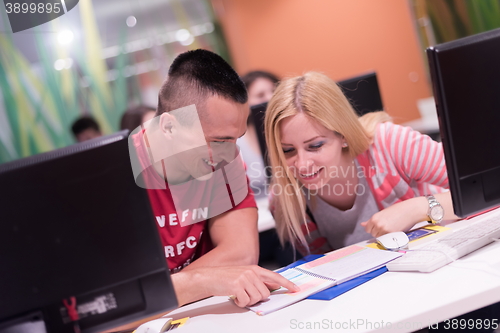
{"x": 398, "y": 217}
{"x": 404, "y": 215}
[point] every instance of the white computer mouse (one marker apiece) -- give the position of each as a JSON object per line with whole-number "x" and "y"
{"x": 394, "y": 241}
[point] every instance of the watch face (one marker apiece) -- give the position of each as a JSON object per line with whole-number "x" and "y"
{"x": 437, "y": 213}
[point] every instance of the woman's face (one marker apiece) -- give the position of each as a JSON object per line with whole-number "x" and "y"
{"x": 312, "y": 152}
{"x": 261, "y": 90}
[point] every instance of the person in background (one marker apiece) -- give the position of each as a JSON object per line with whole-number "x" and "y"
{"x": 260, "y": 86}
{"x": 136, "y": 116}
{"x": 85, "y": 128}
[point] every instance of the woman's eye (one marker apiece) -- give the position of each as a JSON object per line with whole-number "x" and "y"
{"x": 287, "y": 150}
{"x": 316, "y": 146}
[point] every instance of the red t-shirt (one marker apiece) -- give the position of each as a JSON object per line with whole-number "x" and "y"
{"x": 182, "y": 244}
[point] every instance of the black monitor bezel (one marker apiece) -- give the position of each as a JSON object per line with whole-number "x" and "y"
{"x": 155, "y": 285}
{"x": 467, "y": 190}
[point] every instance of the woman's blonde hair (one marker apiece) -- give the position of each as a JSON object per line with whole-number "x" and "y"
{"x": 316, "y": 96}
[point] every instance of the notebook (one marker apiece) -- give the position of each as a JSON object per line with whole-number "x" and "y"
{"x": 339, "y": 289}
{"x": 333, "y": 269}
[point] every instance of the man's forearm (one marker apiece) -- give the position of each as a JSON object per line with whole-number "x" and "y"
{"x": 235, "y": 238}
{"x": 225, "y": 256}
{"x": 189, "y": 286}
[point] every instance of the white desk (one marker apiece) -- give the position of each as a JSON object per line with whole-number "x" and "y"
{"x": 409, "y": 301}
{"x": 427, "y": 125}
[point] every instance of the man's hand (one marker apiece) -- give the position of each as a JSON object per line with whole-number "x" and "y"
{"x": 248, "y": 284}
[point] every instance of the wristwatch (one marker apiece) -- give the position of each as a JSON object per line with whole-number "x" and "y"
{"x": 436, "y": 211}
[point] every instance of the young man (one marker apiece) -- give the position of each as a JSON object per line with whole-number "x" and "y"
{"x": 216, "y": 256}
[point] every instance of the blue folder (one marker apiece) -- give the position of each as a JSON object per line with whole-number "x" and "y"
{"x": 339, "y": 289}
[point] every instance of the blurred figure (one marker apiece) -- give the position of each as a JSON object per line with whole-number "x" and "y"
{"x": 260, "y": 86}
{"x": 136, "y": 116}
{"x": 85, "y": 128}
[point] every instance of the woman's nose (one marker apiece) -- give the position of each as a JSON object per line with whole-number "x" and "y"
{"x": 302, "y": 162}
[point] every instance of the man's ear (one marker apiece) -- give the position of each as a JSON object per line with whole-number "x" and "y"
{"x": 166, "y": 124}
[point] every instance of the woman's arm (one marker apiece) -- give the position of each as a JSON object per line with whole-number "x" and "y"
{"x": 419, "y": 160}
{"x": 404, "y": 215}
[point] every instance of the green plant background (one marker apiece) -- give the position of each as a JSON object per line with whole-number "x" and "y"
{"x": 442, "y": 21}
{"x": 38, "y": 106}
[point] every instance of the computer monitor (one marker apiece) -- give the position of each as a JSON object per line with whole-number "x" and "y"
{"x": 466, "y": 81}
{"x": 75, "y": 224}
{"x": 363, "y": 93}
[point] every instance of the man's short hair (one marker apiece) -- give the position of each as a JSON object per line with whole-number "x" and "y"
{"x": 196, "y": 75}
{"x": 84, "y": 123}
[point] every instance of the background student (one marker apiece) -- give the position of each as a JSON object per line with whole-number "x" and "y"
{"x": 136, "y": 116}
{"x": 85, "y": 128}
{"x": 260, "y": 86}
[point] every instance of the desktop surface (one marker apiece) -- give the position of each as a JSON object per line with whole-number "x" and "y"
{"x": 408, "y": 301}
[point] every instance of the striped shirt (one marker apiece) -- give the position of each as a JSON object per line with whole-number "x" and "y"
{"x": 400, "y": 164}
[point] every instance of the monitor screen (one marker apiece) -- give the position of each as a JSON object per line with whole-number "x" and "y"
{"x": 363, "y": 93}
{"x": 75, "y": 224}
{"x": 466, "y": 81}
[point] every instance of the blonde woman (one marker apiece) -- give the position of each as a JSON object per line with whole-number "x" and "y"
{"x": 339, "y": 179}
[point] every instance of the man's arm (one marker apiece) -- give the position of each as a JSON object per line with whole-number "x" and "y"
{"x": 248, "y": 285}
{"x": 235, "y": 238}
